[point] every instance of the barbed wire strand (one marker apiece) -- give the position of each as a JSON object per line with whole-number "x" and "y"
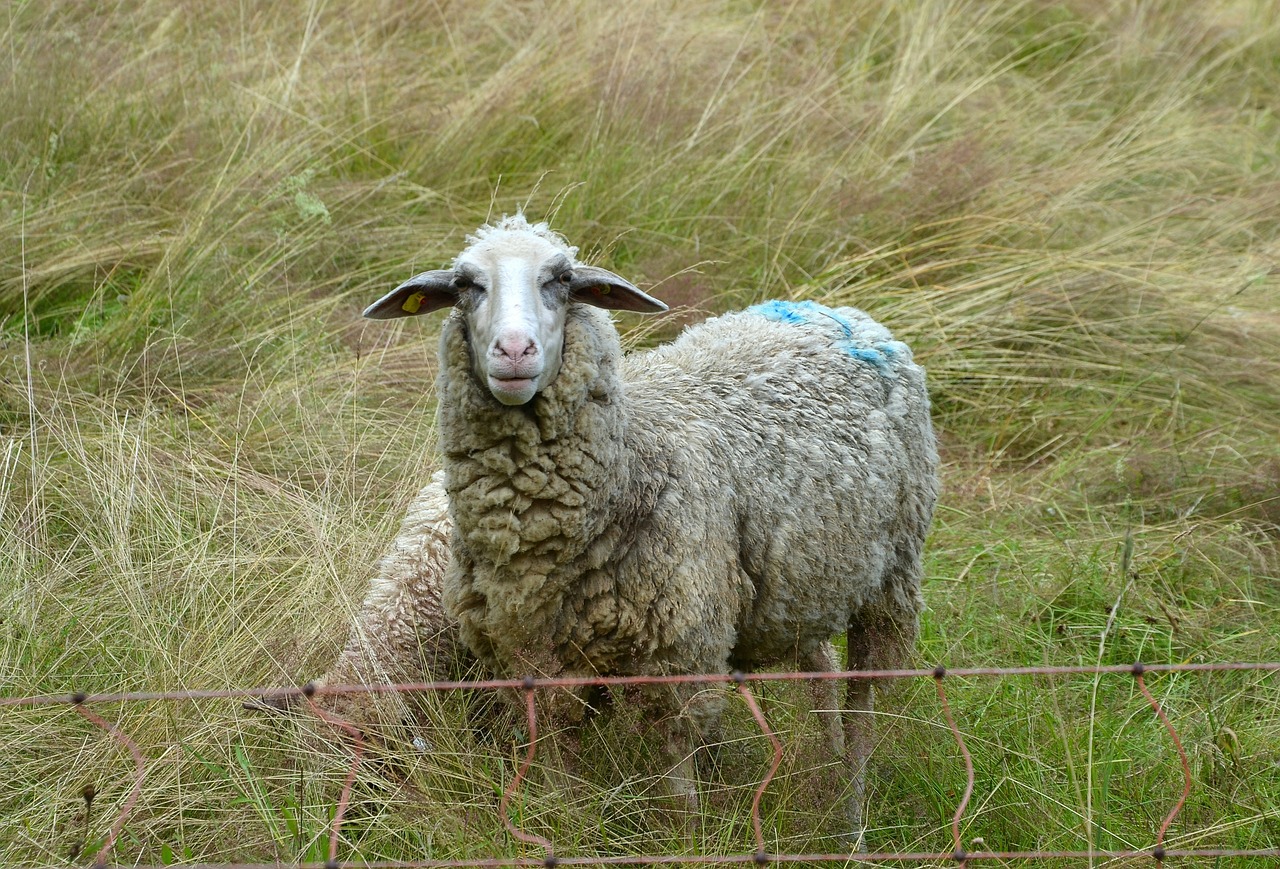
{"x": 140, "y": 766}
{"x": 731, "y": 859}
{"x": 590, "y": 681}
{"x": 1159, "y": 852}
{"x": 940, "y": 673}
{"x": 757, "y": 827}
{"x": 529, "y": 687}
{"x": 531, "y": 719}
{"x": 344, "y": 799}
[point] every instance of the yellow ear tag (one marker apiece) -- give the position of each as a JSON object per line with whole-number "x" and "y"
{"x": 602, "y": 291}
{"x": 413, "y": 303}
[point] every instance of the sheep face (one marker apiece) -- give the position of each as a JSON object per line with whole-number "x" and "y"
{"x": 515, "y": 297}
{"x": 514, "y": 284}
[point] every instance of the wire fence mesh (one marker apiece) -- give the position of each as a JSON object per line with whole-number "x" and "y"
{"x": 529, "y": 686}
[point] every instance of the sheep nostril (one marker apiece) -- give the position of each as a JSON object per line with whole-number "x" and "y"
{"x": 515, "y": 348}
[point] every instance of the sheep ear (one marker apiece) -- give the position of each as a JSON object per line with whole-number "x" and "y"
{"x": 421, "y": 294}
{"x": 604, "y": 289}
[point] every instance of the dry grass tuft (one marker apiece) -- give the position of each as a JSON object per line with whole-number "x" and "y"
{"x": 1066, "y": 208}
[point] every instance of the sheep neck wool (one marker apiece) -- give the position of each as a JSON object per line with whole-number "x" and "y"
{"x": 526, "y": 490}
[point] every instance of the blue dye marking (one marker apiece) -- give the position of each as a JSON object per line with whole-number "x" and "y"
{"x": 783, "y": 312}
{"x": 879, "y": 354}
{"x": 866, "y": 354}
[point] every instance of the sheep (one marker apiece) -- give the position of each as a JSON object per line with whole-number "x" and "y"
{"x": 731, "y": 500}
{"x": 402, "y": 633}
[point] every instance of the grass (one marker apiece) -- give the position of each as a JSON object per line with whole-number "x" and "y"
{"x": 1067, "y": 209}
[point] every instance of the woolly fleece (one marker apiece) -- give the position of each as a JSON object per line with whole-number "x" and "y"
{"x": 731, "y": 500}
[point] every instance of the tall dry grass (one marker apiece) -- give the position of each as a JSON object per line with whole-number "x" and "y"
{"x": 1068, "y": 209}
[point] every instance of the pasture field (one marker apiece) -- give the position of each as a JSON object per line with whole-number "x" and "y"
{"x": 1071, "y": 211}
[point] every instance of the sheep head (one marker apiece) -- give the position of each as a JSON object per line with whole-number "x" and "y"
{"x": 514, "y": 283}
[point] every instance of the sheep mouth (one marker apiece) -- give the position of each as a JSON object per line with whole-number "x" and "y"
{"x": 513, "y": 390}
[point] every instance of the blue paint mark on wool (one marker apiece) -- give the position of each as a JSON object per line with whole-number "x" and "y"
{"x": 783, "y": 312}
{"x": 878, "y": 353}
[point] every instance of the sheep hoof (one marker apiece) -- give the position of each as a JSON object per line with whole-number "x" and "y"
{"x": 858, "y": 841}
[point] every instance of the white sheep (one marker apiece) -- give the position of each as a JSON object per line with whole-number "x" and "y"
{"x": 729, "y": 501}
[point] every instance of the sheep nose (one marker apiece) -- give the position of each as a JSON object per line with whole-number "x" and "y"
{"x": 514, "y": 346}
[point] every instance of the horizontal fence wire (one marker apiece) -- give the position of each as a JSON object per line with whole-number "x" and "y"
{"x": 77, "y": 697}
{"x": 529, "y": 686}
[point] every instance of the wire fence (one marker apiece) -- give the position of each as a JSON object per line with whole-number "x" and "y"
{"x": 529, "y": 686}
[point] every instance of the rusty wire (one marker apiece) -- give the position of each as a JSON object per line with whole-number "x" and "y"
{"x": 1159, "y": 851}
{"x": 958, "y": 855}
{"x": 591, "y": 681}
{"x": 140, "y": 767}
{"x": 529, "y": 686}
{"x": 531, "y": 719}
{"x": 728, "y": 859}
{"x": 758, "y": 715}
{"x": 357, "y": 754}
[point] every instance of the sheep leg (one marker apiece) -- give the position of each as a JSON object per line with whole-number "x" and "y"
{"x": 681, "y": 776}
{"x": 859, "y": 705}
{"x": 824, "y": 696}
{"x": 683, "y": 717}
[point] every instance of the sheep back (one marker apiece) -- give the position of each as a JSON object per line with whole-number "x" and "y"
{"x": 819, "y": 422}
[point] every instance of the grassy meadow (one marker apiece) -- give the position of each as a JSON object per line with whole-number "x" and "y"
{"x": 1071, "y": 211}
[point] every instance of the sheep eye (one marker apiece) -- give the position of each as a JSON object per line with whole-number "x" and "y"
{"x": 566, "y": 278}
{"x": 462, "y": 282}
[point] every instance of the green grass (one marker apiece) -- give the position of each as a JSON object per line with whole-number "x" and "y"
{"x": 1067, "y": 209}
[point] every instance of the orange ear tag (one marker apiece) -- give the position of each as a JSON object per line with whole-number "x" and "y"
{"x": 413, "y": 303}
